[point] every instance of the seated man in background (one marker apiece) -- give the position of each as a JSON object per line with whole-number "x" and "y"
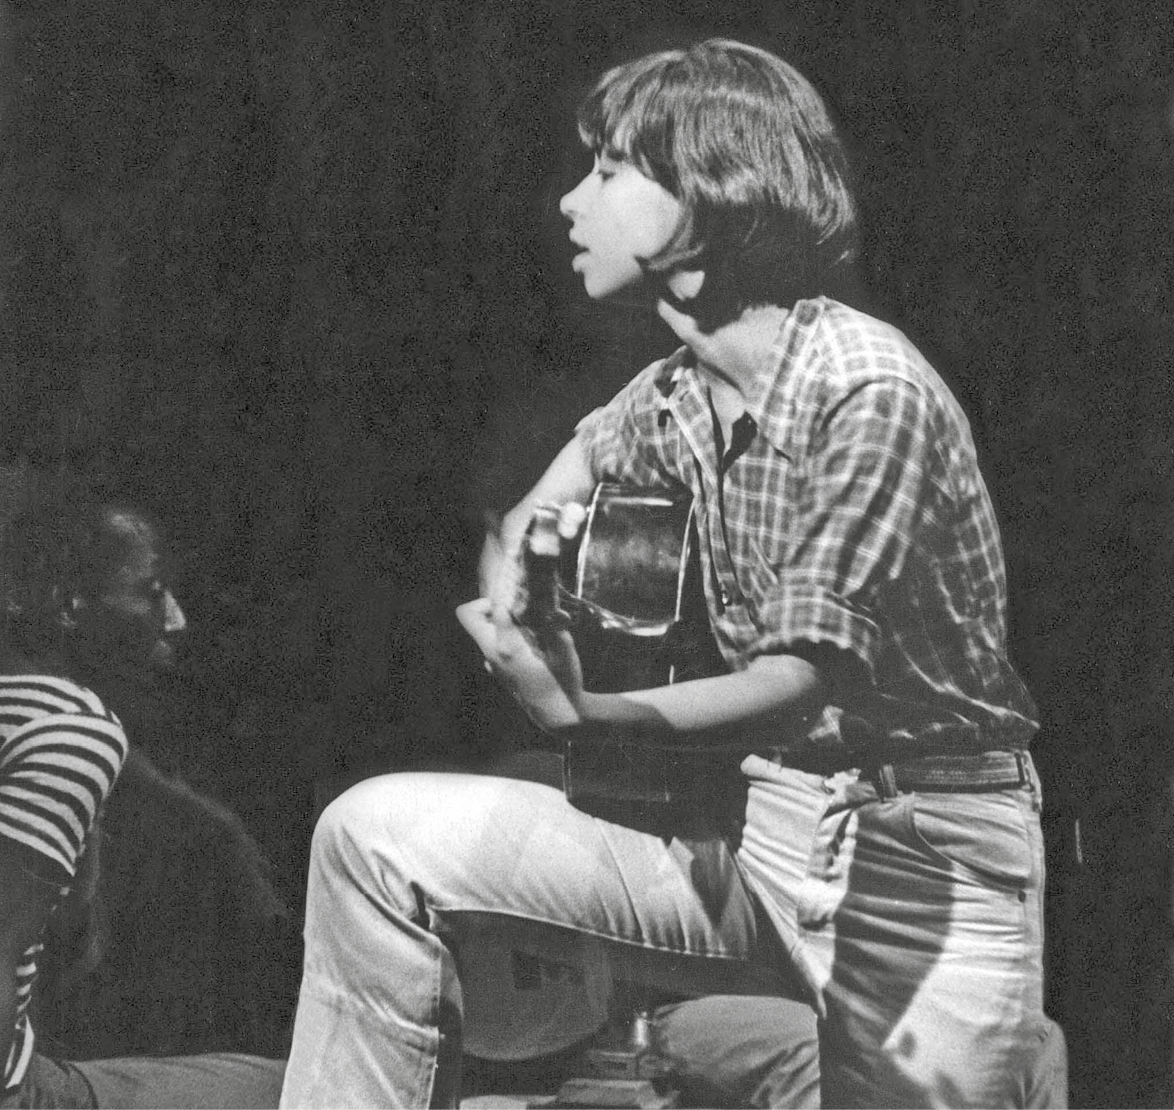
{"x": 83, "y": 592}
{"x": 182, "y": 944}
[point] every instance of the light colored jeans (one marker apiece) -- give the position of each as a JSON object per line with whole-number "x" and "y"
{"x": 209, "y": 1081}
{"x": 915, "y": 922}
{"x": 755, "y": 1052}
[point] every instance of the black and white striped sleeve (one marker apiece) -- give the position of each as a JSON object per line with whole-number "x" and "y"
{"x": 56, "y": 770}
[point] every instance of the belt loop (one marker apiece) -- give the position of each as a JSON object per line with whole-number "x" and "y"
{"x": 1021, "y": 758}
{"x": 886, "y": 782}
{"x": 1023, "y": 761}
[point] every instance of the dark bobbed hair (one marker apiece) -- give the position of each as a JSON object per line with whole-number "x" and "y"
{"x": 748, "y": 147}
{"x": 62, "y": 546}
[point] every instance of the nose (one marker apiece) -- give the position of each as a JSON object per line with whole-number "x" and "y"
{"x": 571, "y": 204}
{"x": 173, "y": 618}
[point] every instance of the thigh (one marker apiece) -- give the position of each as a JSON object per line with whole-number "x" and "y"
{"x": 916, "y": 922}
{"x": 49, "y": 1085}
{"x": 452, "y": 845}
{"x": 934, "y": 995}
{"x": 203, "y": 1082}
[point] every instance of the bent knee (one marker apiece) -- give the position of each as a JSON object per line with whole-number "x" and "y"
{"x": 364, "y": 839}
{"x": 367, "y": 810}
{"x": 388, "y": 814}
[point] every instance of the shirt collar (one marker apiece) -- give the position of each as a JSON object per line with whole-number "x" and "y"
{"x": 771, "y": 406}
{"x": 671, "y": 370}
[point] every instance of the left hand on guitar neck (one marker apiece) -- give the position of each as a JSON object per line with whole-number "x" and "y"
{"x": 538, "y": 664}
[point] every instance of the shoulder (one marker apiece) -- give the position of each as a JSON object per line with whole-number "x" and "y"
{"x": 847, "y": 348}
{"x": 41, "y": 694}
{"x": 841, "y": 372}
{"x": 41, "y": 711}
{"x": 850, "y": 354}
{"x": 61, "y": 752}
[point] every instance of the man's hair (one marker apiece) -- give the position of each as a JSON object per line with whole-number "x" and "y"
{"x": 62, "y": 546}
{"x": 748, "y": 147}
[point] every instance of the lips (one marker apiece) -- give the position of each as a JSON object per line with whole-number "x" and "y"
{"x": 580, "y": 253}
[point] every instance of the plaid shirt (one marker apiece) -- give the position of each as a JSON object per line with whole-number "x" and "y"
{"x": 847, "y": 513}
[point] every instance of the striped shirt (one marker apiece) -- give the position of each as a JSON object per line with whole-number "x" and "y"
{"x": 847, "y": 513}
{"x": 60, "y": 752}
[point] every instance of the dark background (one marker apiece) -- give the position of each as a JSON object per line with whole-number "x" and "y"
{"x": 293, "y": 275}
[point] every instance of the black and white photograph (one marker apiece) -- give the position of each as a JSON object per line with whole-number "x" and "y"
{"x": 576, "y": 554}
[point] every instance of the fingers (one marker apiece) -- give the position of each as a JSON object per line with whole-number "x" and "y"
{"x": 570, "y": 520}
{"x": 491, "y": 627}
{"x": 476, "y": 618}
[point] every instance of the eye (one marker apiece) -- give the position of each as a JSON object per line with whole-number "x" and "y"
{"x": 606, "y": 167}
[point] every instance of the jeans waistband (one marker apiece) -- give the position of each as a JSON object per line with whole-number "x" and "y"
{"x": 982, "y": 771}
{"x": 969, "y": 772}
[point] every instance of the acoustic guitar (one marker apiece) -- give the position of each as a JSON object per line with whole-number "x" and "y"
{"x": 629, "y": 588}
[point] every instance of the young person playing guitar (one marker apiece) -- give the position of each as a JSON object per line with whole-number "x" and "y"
{"x": 888, "y": 843}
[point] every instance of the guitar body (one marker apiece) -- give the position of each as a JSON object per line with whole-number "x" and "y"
{"x": 633, "y": 589}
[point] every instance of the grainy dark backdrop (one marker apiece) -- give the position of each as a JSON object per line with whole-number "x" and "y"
{"x": 293, "y": 274}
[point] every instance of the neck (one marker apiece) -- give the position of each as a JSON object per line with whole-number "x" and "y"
{"x": 17, "y": 661}
{"x": 731, "y": 356}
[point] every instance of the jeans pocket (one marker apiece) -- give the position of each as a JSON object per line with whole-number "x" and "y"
{"x": 983, "y": 835}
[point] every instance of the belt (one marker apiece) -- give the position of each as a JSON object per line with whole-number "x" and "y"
{"x": 952, "y": 774}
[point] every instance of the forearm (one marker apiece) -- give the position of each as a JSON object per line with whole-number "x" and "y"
{"x": 766, "y": 700}
{"x": 568, "y": 478}
{"x": 7, "y": 1009}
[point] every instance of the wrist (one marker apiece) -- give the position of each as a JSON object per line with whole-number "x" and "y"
{"x": 605, "y": 711}
{"x": 591, "y": 707}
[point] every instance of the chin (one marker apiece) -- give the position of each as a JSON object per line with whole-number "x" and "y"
{"x": 609, "y": 291}
{"x": 612, "y": 284}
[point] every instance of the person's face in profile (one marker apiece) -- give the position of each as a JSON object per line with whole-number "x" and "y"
{"x": 134, "y": 620}
{"x": 619, "y": 219}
